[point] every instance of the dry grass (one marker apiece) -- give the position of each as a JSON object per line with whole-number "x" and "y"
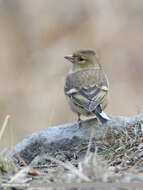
{"x": 117, "y": 158}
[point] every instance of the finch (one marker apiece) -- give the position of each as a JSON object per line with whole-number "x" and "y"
{"x": 86, "y": 85}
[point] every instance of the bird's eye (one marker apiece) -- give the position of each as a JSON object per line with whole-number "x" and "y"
{"x": 81, "y": 59}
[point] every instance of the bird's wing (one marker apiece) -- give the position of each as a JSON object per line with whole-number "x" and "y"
{"x": 89, "y": 98}
{"x": 87, "y": 88}
{"x": 90, "y": 101}
{"x": 88, "y": 92}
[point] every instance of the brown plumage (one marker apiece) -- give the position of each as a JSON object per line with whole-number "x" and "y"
{"x": 86, "y": 85}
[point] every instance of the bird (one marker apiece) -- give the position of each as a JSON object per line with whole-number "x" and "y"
{"x": 86, "y": 85}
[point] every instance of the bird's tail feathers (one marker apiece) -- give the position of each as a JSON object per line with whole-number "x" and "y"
{"x": 101, "y": 115}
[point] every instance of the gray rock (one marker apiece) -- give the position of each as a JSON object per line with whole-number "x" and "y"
{"x": 66, "y": 137}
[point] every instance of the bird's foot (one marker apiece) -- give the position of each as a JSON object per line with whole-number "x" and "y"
{"x": 79, "y": 121}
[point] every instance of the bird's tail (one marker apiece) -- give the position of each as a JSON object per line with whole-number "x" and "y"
{"x": 101, "y": 115}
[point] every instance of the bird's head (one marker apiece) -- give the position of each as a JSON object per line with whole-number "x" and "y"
{"x": 83, "y": 59}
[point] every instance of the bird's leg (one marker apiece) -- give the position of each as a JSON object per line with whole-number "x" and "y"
{"x": 79, "y": 120}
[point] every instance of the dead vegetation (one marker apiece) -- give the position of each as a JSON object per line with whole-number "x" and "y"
{"x": 116, "y": 158}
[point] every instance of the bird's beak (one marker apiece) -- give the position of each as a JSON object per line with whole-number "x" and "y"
{"x": 69, "y": 58}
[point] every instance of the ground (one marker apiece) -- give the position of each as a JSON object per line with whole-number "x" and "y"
{"x": 116, "y": 157}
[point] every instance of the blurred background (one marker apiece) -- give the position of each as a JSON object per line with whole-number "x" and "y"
{"x": 34, "y": 37}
